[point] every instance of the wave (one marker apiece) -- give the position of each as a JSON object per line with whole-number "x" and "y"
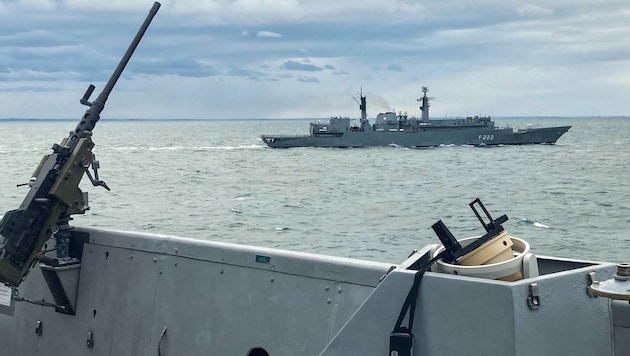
{"x": 185, "y": 148}
{"x": 534, "y": 223}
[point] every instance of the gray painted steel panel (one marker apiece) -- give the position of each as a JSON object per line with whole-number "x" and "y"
{"x": 621, "y": 322}
{"x": 117, "y": 298}
{"x": 219, "y": 299}
{"x": 362, "y": 272}
{"x": 227, "y": 310}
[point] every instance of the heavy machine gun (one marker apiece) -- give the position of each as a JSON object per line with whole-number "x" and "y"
{"x": 54, "y": 193}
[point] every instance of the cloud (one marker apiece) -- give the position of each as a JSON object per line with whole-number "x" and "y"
{"x": 395, "y": 68}
{"x": 306, "y": 67}
{"x": 529, "y": 10}
{"x": 184, "y": 67}
{"x": 38, "y": 5}
{"x": 29, "y": 89}
{"x": 26, "y": 76}
{"x": 251, "y": 74}
{"x": 557, "y": 50}
{"x": 269, "y": 34}
{"x": 308, "y": 79}
{"x": 293, "y": 11}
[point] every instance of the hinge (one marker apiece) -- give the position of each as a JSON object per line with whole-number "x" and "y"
{"x": 533, "y": 300}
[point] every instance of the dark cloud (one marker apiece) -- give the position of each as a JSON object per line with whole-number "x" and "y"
{"x": 35, "y": 38}
{"x": 251, "y": 74}
{"x": 308, "y": 79}
{"x": 30, "y": 89}
{"x": 395, "y": 68}
{"x": 183, "y": 67}
{"x": 459, "y": 39}
{"x": 306, "y": 67}
{"x": 8, "y": 75}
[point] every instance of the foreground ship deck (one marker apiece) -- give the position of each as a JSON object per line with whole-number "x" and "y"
{"x": 401, "y": 130}
{"x": 144, "y": 294}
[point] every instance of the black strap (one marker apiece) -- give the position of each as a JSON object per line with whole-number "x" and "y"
{"x": 410, "y": 302}
{"x": 401, "y": 338}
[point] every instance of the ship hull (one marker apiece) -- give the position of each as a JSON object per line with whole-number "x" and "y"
{"x": 425, "y": 137}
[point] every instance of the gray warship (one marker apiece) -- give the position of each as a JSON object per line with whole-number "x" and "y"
{"x": 399, "y": 129}
{"x": 73, "y": 290}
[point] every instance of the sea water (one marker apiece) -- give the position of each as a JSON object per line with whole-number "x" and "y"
{"x": 215, "y": 180}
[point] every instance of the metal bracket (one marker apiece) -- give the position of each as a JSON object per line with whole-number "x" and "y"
{"x": 533, "y": 300}
{"x": 63, "y": 282}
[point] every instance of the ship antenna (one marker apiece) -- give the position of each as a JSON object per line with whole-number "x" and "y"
{"x": 424, "y": 106}
{"x": 362, "y": 106}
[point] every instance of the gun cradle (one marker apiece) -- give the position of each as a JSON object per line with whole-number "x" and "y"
{"x": 27, "y": 229}
{"x": 66, "y": 187}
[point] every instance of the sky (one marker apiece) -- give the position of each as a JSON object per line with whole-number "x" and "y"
{"x": 222, "y": 59}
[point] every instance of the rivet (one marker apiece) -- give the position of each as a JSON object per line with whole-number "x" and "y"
{"x": 328, "y": 300}
{"x": 271, "y": 279}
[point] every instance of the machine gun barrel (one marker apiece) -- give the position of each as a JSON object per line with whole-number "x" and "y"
{"x": 92, "y": 115}
{"x": 54, "y": 194}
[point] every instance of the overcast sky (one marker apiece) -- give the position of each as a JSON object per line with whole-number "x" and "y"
{"x": 309, "y": 58}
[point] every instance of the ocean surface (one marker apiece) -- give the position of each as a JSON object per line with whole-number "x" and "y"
{"x": 216, "y": 180}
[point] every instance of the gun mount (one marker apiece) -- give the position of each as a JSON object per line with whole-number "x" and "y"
{"x": 453, "y": 249}
{"x": 54, "y": 193}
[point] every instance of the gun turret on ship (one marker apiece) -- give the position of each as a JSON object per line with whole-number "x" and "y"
{"x": 390, "y": 128}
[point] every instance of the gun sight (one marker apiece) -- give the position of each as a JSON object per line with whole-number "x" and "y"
{"x": 86, "y": 96}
